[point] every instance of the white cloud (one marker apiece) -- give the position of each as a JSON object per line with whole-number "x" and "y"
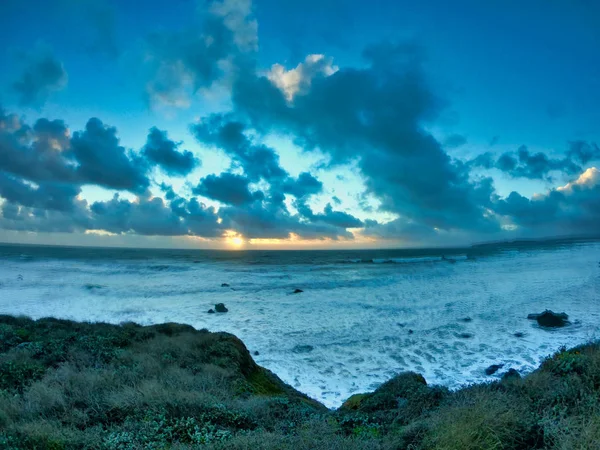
{"x": 299, "y": 79}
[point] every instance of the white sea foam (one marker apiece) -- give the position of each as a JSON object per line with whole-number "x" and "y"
{"x": 356, "y": 317}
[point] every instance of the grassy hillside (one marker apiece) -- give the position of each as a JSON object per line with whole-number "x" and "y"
{"x": 68, "y": 385}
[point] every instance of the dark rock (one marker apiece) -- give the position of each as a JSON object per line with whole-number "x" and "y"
{"x": 224, "y": 285}
{"x": 519, "y": 334}
{"x": 23, "y": 345}
{"x": 297, "y": 291}
{"x": 20, "y": 277}
{"x": 493, "y": 369}
{"x": 465, "y": 319}
{"x": 464, "y": 335}
{"x": 91, "y": 287}
{"x": 211, "y": 311}
{"x": 220, "y": 308}
{"x": 303, "y": 349}
{"x": 511, "y": 374}
{"x": 549, "y": 319}
{"x": 256, "y": 353}
{"x": 410, "y": 331}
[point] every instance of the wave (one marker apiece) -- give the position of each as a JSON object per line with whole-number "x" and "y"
{"x": 407, "y": 260}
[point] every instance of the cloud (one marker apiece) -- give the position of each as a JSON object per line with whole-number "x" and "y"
{"x": 42, "y": 75}
{"x": 223, "y": 132}
{"x": 455, "y": 140}
{"x": 42, "y": 169}
{"x": 180, "y": 63}
{"x": 298, "y": 80}
{"x": 374, "y": 116}
{"x": 104, "y": 162}
{"x": 145, "y": 216}
{"x": 36, "y": 153}
{"x": 524, "y": 164}
{"x": 303, "y": 186}
{"x": 227, "y": 188}
{"x": 55, "y": 196}
{"x": 102, "y": 19}
{"x": 570, "y": 209}
{"x": 162, "y": 151}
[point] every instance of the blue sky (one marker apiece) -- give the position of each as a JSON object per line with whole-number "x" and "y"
{"x": 418, "y": 123}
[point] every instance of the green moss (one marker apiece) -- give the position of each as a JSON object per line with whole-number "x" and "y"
{"x": 353, "y": 403}
{"x": 262, "y": 383}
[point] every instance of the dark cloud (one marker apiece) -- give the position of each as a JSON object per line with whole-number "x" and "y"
{"x": 23, "y": 218}
{"x": 573, "y": 209}
{"x": 53, "y": 196}
{"x": 145, "y": 216}
{"x": 42, "y": 74}
{"x": 583, "y": 152}
{"x": 303, "y": 186}
{"x": 455, "y": 140}
{"x": 163, "y": 152}
{"x": 35, "y": 153}
{"x": 102, "y": 19}
{"x": 524, "y": 164}
{"x": 373, "y": 116}
{"x": 179, "y": 63}
{"x": 104, "y": 162}
{"x": 399, "y": 229}
{"x": 227, "y": 188}
{"x": 328, "y": 216}
{"x": 223, "y": 132}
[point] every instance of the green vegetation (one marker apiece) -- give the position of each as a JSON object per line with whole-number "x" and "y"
{"x": 68, "y": 385}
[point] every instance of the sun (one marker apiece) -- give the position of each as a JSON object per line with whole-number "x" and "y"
{"x": 236, "y": 241}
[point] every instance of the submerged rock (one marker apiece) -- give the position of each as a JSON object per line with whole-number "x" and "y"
{"x": 211, "y": 311}
{"x": 224, "y": 285}
{"x": 519, "y": 334}
{"x": 465, "y": 319}
{"x": 297, "y": 291}
{"x": 410, "y": 331}
{"x": 220, "y": 308}
{"x": 550, "y": 319}
{"x": 303, "y": 349}
{"x": 464, "y": 335}
{"x": 256, "y": 353}
{"x": 493, "y": 369}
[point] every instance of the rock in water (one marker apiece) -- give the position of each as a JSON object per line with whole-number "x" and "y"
{"x": 466, "y": 319}
{"x": 464, "y": 335}
{"x": 220, "y": 308}
{"x": 297, "y": 291}
{"x": 549, "y": 319}
{"x": 493, "y": 369}
{"x": 224, "y": 285}
{"x": 256, "y": 353}
{"x": 211, "y": 311}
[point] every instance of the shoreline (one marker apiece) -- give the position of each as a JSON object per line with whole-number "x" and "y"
{"x": 84, "y": 385}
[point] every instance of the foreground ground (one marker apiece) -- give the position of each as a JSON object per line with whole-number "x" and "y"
{"x": 68, "y": 385}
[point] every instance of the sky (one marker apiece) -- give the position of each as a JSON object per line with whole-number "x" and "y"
{"x": 249, "y": 124}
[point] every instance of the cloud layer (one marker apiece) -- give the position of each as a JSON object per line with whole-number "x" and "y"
{"x": 375, "y": 116}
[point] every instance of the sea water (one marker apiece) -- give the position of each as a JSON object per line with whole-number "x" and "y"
{"x": 362, "y": 317}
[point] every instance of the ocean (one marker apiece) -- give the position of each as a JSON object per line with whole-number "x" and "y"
{"x": 362, "y": 317}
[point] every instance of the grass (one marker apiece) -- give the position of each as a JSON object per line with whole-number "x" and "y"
{"x": 68, "y": 385}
